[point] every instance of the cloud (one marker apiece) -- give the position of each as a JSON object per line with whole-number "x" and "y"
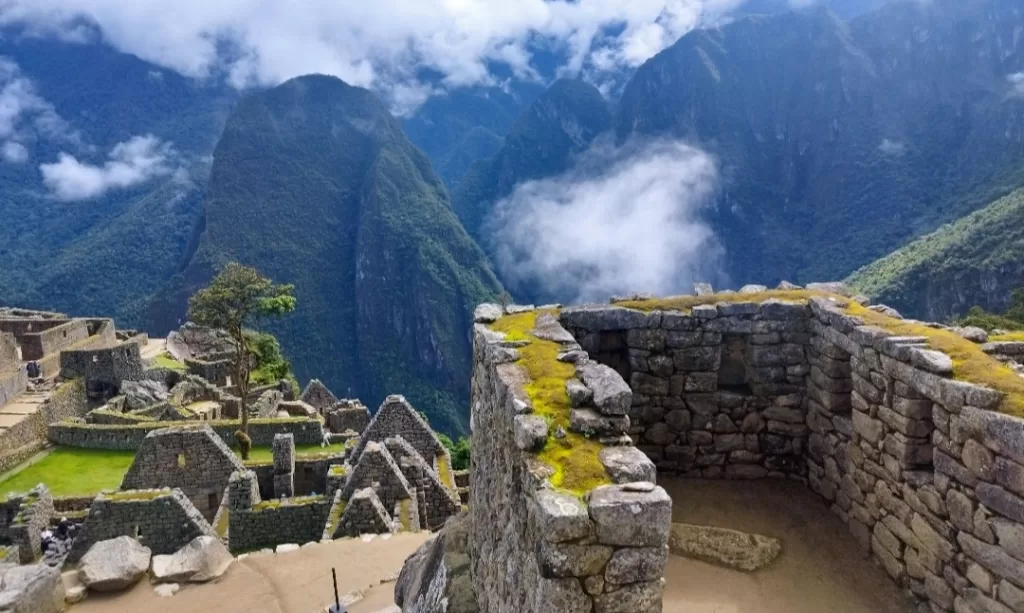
{"x": 129, "y": 163}
{"x": 1016, "y": 81}
{"x": 892, "y": 147}
{"x": 13, "y": 152}
{"x": 622, "y": 220}
{"x": 24, "y": 115}
{"x": 383, "y": 44}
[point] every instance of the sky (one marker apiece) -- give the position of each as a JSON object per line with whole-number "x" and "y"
{"x": 384, "y": 44}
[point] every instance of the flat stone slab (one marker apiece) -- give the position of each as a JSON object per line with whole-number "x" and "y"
{"x": 724, "y": 547}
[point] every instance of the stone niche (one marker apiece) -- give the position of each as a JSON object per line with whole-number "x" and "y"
{"x": 925, "y": 471}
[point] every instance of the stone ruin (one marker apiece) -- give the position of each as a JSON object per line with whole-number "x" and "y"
{"x": 924, "y": 469}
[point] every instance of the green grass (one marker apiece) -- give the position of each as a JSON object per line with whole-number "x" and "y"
{"x": 70, "y": 471}
{"x": 164, "y": 360}
{"x": 266, "y": 454}
{"x": 685, "y": 303}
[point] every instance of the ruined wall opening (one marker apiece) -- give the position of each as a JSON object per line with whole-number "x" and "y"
{"x": 732, "y": 373}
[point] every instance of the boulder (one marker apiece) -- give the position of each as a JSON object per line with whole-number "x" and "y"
{"x": 33, "y": 588}
{"x": 141, "y": 394}
{"x": 203, "y": 559}
{"x": 729, "y": 548}
{"x": 436, "y": 578}
{"x": 114, "y": 565}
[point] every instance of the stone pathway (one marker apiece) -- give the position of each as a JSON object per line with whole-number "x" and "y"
{"x": 294, "y": 582}
{"x": 153, "y": 348}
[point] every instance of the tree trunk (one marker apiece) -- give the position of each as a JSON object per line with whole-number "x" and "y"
{"x": 242, "y": 377}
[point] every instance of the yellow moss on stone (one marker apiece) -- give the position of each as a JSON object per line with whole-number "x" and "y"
{"x": 686, "y": 303}
{"x": 133, "y": 495}
{"x": 222, "y": 523}
{"x": 444, "y": 472}
{"x": 1013, "y": 337}
{"x": 573, "y": 458}
{"x": 970, "y": 363}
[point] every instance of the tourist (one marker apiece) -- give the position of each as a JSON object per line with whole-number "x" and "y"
{"x": 46, "y": 540}
{"x": 64, "y": 529}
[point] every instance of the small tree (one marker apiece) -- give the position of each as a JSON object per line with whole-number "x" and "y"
{"x": 236, "y": 299}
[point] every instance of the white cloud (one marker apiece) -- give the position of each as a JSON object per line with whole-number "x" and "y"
{"x": 13, "y": 152}
{"x": 378, "y": 44}
{"x": 1016, "y": 81}
{"x": 623, "y": 220}
{"x": 129, "y": 163}
{"x": 892, "y": 147}
{"x": 24, "y": 114}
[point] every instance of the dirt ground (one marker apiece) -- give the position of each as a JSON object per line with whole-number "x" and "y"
{"x": 821, "y": 569}
{"x": 292, "y": 582}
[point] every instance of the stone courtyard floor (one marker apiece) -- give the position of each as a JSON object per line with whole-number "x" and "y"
{"x": 293, "y": 582}
{"x": 821, "y": 569}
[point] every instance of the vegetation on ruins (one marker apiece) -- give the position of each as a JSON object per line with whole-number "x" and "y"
{"x": 458, "y": 449}
{"x": 271, "y": 365}
{"x": 238, "y": 298}
{"x": 1012, "y": 319}
{"x": 573, "y": 458}
{"x": 970, "y": 363}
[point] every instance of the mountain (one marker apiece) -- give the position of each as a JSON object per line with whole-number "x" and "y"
{"x": 839, "y": 142}
{"x": 978, "y": 260}
{"x": 559, "y": 124}
{"x": 314, "y": 183}
{"x": 462, "y": 126}
{"x": 103, "y": 252}
{"x": 845, "y": 9}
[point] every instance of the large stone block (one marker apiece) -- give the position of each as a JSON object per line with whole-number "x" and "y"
{"x": 633, "y": 598}
{"x": 627, "y": 464}
{"x": 611, "y": 394}
{"x": 560, "y": 517}
{"x": 627, "y": 516}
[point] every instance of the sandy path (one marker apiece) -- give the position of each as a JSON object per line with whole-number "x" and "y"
{"x": 821, "y": 568}
{"x": 293, "y": 582}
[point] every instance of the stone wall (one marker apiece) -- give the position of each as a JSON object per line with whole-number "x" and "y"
{"x": 42, "y": 337}
{"x": 130, "y": 437}
{"x": 272, "y": 523}
{"x": 13, "y": 377}
{"x": 717, "y": 392}
{"x": 163, "y": 520}
{"x": 28, "y": 436}
{"x": 32, "y": 514}
{"x": 396, "y": 417}
{"x": 109, "y": 366}
{"x": 538, "y": 550}
{"x": 347, "y": 415}
{"x": 216, "y": 372}
{"x": 194, "y": 460}
{"x": 927, "y": 476}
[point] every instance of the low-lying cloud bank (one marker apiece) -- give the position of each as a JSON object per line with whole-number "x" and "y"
{"x": 129, "y": 163}
{"x": 624, "y": 219}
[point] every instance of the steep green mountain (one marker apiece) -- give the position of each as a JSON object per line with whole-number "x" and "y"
{"x": 840, "y": 142}
{"x": 559, "y": 124}
{"x": 465, "y": 125}
{"x": 314, "y": 183}
{"x": 978, "y": 260}
{"x": 103, "y": 254}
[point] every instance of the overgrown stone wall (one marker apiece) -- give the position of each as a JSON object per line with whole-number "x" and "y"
{"x": 130, "y": 437}
{"x": 923, "y": 469}
{"x": 32, "y": 513}
{"x": 268, "y": 524}
{"x": 535, "y": 549}
{"x": 717, "y": 392}
{"x": 928, "y": 477}
{"x": 27, "y": 437}
{"x": 163, "y": 520}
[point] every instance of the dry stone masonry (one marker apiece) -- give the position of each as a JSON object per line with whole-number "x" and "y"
{"x": 926, "y": 470}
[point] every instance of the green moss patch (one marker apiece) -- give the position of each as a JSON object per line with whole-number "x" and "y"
{"x": 223, "y": 523}
{"x": 686, "y": 303}
{"x": 265, "y": 454}
{"x": 1008, "y": 337}
{"x": 165, "y": 360}
{"x": 137, "y": 496}
{"x": 574, "y": 458}
{"x": 278, "y": 502}
{"x": 970, "y": 363}
{"x": 70, "y": 471}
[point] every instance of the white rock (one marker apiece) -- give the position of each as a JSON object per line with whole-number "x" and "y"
{"x": 167, "y": 589}
{"x": 115, "y": 564}
{"x": 287, "y": 547}
{"x": 203, "y": 559}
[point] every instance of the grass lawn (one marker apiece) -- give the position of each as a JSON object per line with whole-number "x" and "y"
{"x": 266, "y": 454}
{"x": 164, "y": 360}
{"x": 68, "y": 471}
